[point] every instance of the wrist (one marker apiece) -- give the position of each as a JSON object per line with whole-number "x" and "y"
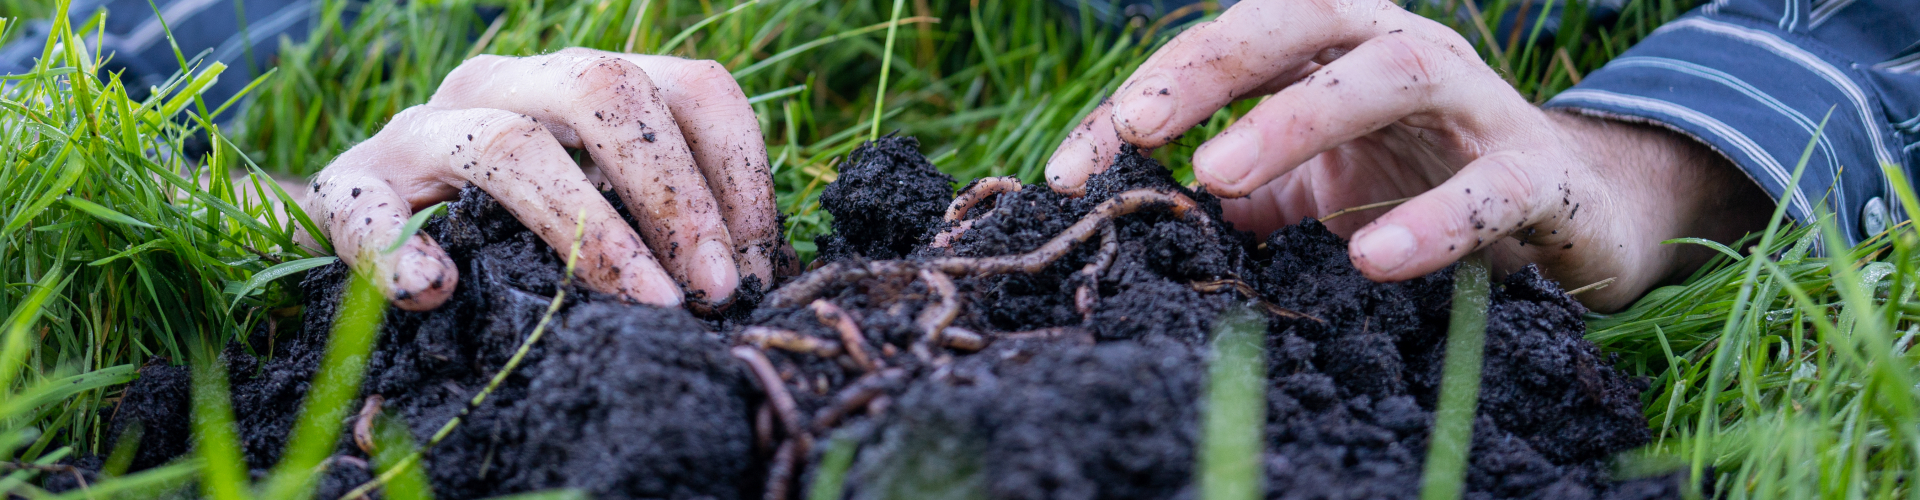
{"x": 1669, "y": 185}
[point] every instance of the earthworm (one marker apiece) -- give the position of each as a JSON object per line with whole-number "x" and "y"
{"x": 934, "y": 319}
{"x": 363, "y": 426}
{"x": 789, "y": 340}
{"x": 1247, "y": 291}
{"x": 1077, "y": 334}
{"x": 776, "y": 389}
{"x": 849, "y": 328}
{"x": 962, "y": 339}
{"x": 978, "y": 191}
{"x": 815, "y": 283}
{"x": 763, "y": 428}
{"x": 855, "y": 397}
{"x": 972, "y": 195}
{"x": 810, "y": 286}
{"x": 1089, "y": 290}
{"x": 780, "y": 476}
{"x": 1101, "y": 215}
{"x": 945, "y": 238}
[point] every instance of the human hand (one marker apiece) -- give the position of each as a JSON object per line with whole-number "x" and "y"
{"x": 675, "y": 137}
{"x": 1369, "y": 103}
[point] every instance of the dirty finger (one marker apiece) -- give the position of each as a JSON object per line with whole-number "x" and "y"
{"x": 517, "y": 160}
{"x": 364, "y": 215}
{"x": 1488, "y": 200}
{"x": 611, "y": 108}
{"x": 724, "y": 135}
{"x": 1253, "y": 46}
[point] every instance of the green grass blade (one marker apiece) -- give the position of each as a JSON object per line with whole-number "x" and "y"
{"x": 1448, "y": 451}
{"x": 1233, "y": 433}
{"x": 413, "y": 225}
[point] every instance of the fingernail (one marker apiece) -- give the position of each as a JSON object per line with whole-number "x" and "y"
{"x": 714, "y": 272}
{"x": 1145, "y": 106}
{"x": 756, "y": 262}
{"x": 1228, "y": 158}
{"x": 1065, "y": 171}
{"x": 419, "y": 282}
{"x": 1385, "y": 248}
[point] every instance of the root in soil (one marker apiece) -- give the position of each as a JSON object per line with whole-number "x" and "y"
{"x": 1007, "y": 342}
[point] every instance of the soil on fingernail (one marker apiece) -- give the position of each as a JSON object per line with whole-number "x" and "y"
{"x": 633, "y": 401}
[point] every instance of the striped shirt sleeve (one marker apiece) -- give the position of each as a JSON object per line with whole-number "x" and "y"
{"x": 1755, "y": 78}
{"x": 243, "y": 34}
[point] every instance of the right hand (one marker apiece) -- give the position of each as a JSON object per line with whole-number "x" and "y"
{"x": 675, "y": 138}
{"x": 1367, "y": 102}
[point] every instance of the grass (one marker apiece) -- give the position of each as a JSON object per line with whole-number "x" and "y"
{"x": 1233, "y": 434}
{"x": 141, "y": 253}
{"x": 1445, "y": 476}
{"x": 1777, "y": 372}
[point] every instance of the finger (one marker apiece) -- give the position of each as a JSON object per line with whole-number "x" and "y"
{"x": 1394, "y": 78}
{"x": 1252, "y": 45}
{"x": 1089, "y": 149}
{"x": 1489, "y": 199}
{"x": 515, "y": 159}
{"x": 724, "y": 135}
{"x": 364, "y": 215}
{"x": 610, "y": 107}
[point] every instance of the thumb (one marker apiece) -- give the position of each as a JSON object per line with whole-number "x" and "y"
{"x": 1486, "y": 201}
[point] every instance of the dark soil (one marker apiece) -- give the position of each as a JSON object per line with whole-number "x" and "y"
{"x": 630, "y": 401}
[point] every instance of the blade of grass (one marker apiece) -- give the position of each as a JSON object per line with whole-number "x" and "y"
{"x": 1452, "y": 439}
{"x": 1232, "y": 436}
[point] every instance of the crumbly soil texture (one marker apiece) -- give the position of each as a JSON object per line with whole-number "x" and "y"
{"x": 955, "y": 353}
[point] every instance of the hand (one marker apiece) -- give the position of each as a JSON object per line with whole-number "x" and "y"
{"x": 676, "y": 139}
{"x": 1369, "y": 103}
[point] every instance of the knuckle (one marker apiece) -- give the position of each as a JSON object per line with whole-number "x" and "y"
{"x": 603, "y": 78}
{"x": 505, "y": 136}
{"x": 707, "y": 84}
{"x": 470, "y": 74}
{"x": 1509, "y": 178}
{"x": 1408, "y": 57}
{"x": 606, "y": 71}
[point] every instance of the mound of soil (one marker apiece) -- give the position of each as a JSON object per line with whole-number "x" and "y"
{"x": 1062, "y": 383}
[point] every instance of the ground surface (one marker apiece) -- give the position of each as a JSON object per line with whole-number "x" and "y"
{"x": 629, "y": 401}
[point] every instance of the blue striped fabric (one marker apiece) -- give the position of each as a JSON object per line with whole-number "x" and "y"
{"x": 1754, "y": 78}
{"x": 208, "y": 29}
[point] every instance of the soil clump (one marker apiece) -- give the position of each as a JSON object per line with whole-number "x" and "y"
{"x": 1076, "y": 371}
